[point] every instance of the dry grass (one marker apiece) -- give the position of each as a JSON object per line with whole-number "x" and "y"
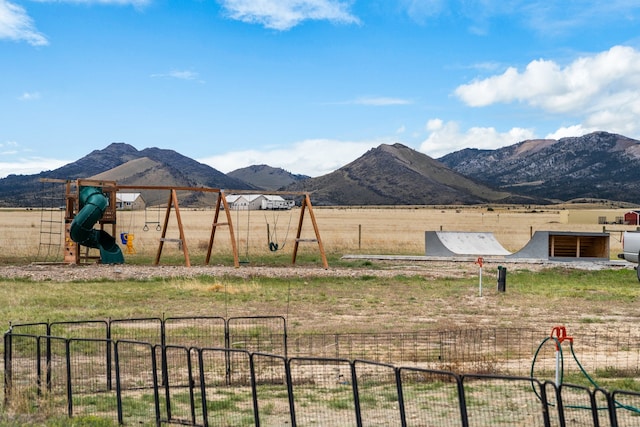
{"x": 343, "y": 230}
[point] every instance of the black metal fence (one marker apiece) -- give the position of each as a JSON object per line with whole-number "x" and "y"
{"x": 211, "y": 371}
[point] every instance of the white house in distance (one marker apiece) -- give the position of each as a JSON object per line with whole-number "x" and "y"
{"x": 244, "y": 202}
{"x": 130, "y": 201}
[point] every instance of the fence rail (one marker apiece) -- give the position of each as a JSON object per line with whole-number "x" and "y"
{"x": 246, "y": 371}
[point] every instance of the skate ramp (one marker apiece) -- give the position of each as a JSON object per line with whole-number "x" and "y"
{"x": 543, "y": 245}
{"x": 536, "y": 248}
{"x": 566, "y": 246}
{"x": 461, "y": 243}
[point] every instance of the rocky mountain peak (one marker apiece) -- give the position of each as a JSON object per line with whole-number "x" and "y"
{"x": 598, "y": 165}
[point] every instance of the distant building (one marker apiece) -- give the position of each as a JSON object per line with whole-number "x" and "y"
{"x": 276, "y": 203}
{"x": 130, "y": 201}
{"x": 245, "y": 202}
{"x": 632, "y": 218}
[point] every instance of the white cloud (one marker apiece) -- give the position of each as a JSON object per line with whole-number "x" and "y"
{"x": 12, "y": 144}
{"x": 285, "y": 14}
{"x": 178, "y": 74}
{"x": 381, "y": 101}
{"x": 446, "y": 137}
{"x": 16, "y": 25}
{"x": 547, "y": 85}
{"x": 136, "y": 3}
{"x": 546, "y": 18}
{"x": 553, "y": 18}
{"x": 29, "y": 96}
{"x": 421, "y": 10}
{"x": 29, "y": 165}
{"x": 18, "y": 160}
{"x": 567, "y": 131}
{"x": 313, "y": 157}
{"x": 603, "y": 89}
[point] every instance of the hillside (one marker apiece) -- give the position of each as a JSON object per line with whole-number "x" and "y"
{"x": 151, "y": 166}
{"x": 599, "y": 165}
{"x": 397, "y": 175}
{"x": 266, "y": 177}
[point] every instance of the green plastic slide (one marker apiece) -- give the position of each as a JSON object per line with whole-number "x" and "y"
{"x": 92, "y": 205}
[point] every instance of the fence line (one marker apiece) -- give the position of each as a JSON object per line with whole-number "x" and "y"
{"x": 495, "y": 350}
{"x": 303, "y": 380}
{"x": 193, "y": 387}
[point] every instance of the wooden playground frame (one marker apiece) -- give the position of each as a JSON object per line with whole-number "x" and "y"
{"x": 72, "y": 253}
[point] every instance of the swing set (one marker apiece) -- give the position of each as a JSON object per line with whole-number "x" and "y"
{"x": 272, "y": 238}
{"x": 109, "y": 189}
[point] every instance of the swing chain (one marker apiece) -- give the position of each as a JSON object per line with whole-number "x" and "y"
{"x": 274, "y": 246}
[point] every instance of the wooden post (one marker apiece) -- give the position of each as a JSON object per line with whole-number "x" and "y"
{"x": 213, "y": 230}
{"x": 173, "y": 200}
{"x": 306, "y": 202}
{"x": 222, "y": 201}
{"x": 232, "y": 237}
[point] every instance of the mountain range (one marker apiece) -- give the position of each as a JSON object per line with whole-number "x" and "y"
{"x": 599, "y": 165}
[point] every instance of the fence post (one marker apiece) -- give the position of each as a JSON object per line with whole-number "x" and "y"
{"x": 67, "y": 350}
{"x": 7, "y": 366}
{"x": 109, "y": 361}
{"x": 292, "y": 408}
{"x": 203, "y": 389}
{"x": 403, "y": 414}
{"x": 356, "y": 394}
{"x": 611, "y": 403}
{"x": 163, "y": 343}
{"x": 191, "y": 382}
{"x": 463, "y": 402}
{"x": 254, "y": 391}
{"x": 118, "y": 384}
{"x": 227, "y": 356}
{"x": 48, "y": 367}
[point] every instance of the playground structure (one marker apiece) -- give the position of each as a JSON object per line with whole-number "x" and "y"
{"x": 544, "y": 245}
{"x": 90, "y": 203}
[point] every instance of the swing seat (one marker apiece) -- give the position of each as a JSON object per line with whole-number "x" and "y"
{"x": 130, "y": 249}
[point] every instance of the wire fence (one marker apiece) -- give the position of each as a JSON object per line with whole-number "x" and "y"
{"x": 246, "y": 371}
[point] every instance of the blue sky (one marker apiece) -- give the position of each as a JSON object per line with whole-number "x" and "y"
{"x": 309, "y": 85}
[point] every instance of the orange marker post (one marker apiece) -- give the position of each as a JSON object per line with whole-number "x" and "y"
{"x": 559, "y": 334}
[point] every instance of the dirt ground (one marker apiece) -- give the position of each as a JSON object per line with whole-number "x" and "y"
{"x": 385, "y": 268}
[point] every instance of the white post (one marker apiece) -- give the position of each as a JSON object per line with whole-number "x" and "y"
{"x": 480, "y": 262}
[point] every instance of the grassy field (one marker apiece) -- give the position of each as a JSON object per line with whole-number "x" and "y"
{"x": 584, "y": 301}
{"x": 346, "y": 303}
{"x": 33, "y": 234}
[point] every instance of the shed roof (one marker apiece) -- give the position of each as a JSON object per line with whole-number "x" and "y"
{"x": 127, "y": 197}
